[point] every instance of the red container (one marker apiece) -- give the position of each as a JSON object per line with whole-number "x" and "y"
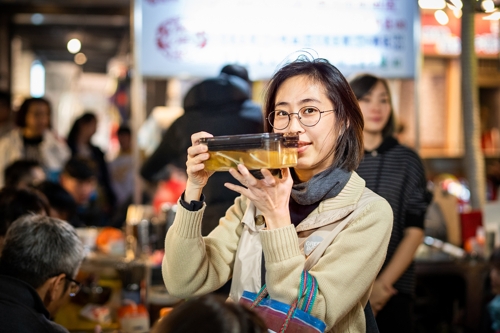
{"x": 470, "y": 222}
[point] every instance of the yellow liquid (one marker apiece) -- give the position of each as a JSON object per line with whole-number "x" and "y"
{"x": 253, "y": 159}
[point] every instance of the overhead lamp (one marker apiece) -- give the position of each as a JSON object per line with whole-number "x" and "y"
{"x": 80, "y": 58}
{"x": 441, "y": 17}
{"x": 432, "y": 4}
{"x": 488, "y": 6}
{"x": 74, "y": 45}
{"x": 457, "y": 13}
{"x": 492, "y": 17}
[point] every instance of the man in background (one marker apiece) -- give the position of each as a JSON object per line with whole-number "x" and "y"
{"x": 79, "y": 179}
{"x": 39, "y": 262}
{"x": 219, "y": 106}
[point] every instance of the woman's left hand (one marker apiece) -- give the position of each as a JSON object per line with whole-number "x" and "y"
{"x": 270, "y": 195}
{"x": 381, "y": 294}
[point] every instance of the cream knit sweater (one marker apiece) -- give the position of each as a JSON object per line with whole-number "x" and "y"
{"x": 196, "y": 265}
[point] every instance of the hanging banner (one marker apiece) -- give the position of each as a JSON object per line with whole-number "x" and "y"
{"x": 193, "y": 38}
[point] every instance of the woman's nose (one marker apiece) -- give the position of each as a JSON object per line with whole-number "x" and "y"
{"x": 295, "y": 125}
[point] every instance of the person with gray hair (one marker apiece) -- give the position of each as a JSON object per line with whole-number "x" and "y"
{"x": 39, "y": 261}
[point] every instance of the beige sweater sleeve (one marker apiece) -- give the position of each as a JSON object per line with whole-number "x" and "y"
{"x": 196, "y": 265}
{"x": 344, "y": 274}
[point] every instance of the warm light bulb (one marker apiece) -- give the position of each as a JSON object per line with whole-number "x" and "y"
{"x": 457, "y": 13}
{"x": 74, "y": 46}
{"x": 441, "y": 17}
{"x": 80, "y": 58}
{"x": 488, "y": 6}
{"x": 432, "y": 4}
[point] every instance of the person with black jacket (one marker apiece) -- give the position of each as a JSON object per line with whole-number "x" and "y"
{"x": 220, "y": 106}
{"x": 396, "y": 173}
{"x": 38, "y": 266}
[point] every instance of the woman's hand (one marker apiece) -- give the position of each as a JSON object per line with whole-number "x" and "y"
{"x": 381, "y": 294}
{"x": 270, "y": 195}
{"x": 197, "y": 175}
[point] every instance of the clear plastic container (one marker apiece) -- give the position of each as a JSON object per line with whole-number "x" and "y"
{"x": 255, "y": 151}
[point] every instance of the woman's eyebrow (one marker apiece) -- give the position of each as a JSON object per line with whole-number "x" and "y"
{"x": 301, "y": 102}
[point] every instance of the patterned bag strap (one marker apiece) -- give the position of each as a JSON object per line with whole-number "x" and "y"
{"x": 260, "y": 296}
{"x": 307, "y": 292}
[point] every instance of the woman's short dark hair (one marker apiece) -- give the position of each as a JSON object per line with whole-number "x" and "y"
{"x": 211, "y": 313}
{"x": 362, "y": 85}
{"x": 348, "y": 149}
{"x": 23, "y": 110}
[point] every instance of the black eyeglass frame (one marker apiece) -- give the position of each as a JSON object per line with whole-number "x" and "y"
{"x": 289, "y": 114}
{"x": 77, "y": 283}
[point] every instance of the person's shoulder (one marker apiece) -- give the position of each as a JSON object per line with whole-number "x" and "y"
{"x": 405, "y": 153}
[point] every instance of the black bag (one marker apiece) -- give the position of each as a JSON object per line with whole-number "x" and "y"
{"x": 371, "y": 323}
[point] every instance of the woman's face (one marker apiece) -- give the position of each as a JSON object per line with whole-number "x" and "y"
{"x": 88, "y": 130}
{"x": 38, "y": 117}
{"x": 316, "y": 142}
{"x": 376, "y": 108}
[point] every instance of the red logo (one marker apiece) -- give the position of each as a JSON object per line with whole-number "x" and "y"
{"x": 174, "y": 41}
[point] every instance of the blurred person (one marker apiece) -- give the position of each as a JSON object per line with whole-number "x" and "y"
{"x": 79, "y": 179}
{"x": 210, "y": 313}
{"x": 491, "y": 319}
{"x": 61, "y": 203}
{"x": 23, "y": 173}
{"x": 34, "y": 140}
{"x": 16, "y": 202}
{"x": 5, "y": 112}
{"x": 39, "y": 262}
{"x": 396, "y": 173}
{"x": 79, "y": 141}
{"x": 214, "y": 105}
{"x": 249, "y": 109}
{"x": 122, "y": 167}
{"x": 257, "y": 241}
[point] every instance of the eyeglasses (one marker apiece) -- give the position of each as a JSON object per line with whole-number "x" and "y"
{"x": 75, "y": 286}
{"x": 308, "y": 116}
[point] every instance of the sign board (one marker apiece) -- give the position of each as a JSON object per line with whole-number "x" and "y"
{"x": 195, "y": 38}
{"x": 445, "y": 40}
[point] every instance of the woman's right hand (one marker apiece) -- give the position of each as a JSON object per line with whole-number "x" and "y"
{"x": 197, "y": 175}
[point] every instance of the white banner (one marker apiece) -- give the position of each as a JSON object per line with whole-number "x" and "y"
{"x": 195, "y": 38}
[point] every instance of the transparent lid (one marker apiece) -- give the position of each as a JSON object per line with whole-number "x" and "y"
{"x": 250, "y": 141}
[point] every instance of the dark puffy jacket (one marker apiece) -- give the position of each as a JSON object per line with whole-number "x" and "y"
{"x": 219, "y": 106}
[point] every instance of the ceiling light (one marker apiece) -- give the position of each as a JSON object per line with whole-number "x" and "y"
{"x": 488, "y": 6}
{"x": 457, "y": 13}
{"x": 432, "y": 4}
{"x": 492, "y": 17}
{"x": 441, "y": 17}
{"x": 74, "y": 45}
{"x": 80, "y": 58}
{"x": 37, "y": 19}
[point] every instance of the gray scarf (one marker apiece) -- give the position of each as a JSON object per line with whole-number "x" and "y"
{"x": 325, "y": 185}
